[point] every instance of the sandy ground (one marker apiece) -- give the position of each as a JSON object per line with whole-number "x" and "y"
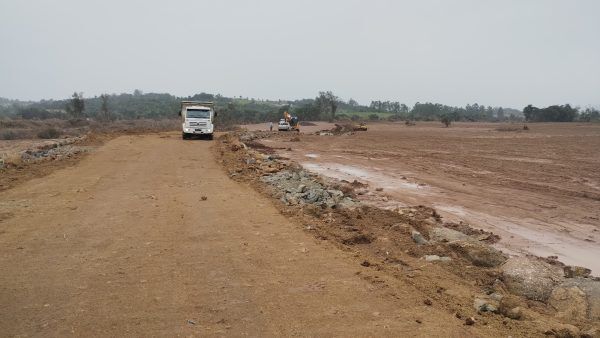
{"x": 538, "y": 189}
{"x": 123, "y": 244}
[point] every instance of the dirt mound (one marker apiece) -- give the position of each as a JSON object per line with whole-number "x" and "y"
{"x": 339, "y": 129}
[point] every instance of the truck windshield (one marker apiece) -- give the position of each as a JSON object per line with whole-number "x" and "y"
{"x": 198, "y": 114}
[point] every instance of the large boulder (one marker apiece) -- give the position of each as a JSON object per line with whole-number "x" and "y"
{"x": 591, "y": 291}
{"x": 569, "y": 302}
{"x": 478, "y": 253}
{"x": 531, "y": 277}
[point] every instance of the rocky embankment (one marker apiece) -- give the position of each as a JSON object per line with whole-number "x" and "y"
{"x": 523, "y": 294}
{"x": 42, "y": 151}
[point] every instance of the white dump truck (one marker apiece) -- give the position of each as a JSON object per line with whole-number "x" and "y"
{"x": 197, "y": 118}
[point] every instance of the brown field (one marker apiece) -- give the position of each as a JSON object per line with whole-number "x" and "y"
{"x": 539, "y": 189}
{"x": 152, "y": 235}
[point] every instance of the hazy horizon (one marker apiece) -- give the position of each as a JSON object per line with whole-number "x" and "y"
{"x": 509, "y": 53}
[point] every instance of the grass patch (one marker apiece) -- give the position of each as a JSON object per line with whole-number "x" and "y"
{"x": 48, "y": 133}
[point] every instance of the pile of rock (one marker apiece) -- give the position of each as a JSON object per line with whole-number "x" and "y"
{"x": 57, "y": 152}
{"x": 295, "y": 187}
{"x": 472, "y": 249}
{"x": 339, "y": 129}
{"x": 570, "y": 290}
{"x": 53, "y": 150}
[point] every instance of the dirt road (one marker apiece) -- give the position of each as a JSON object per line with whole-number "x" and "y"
{"x": 122, "y": 244}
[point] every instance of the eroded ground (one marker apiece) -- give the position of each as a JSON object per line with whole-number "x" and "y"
{"x": 539, "y": 189}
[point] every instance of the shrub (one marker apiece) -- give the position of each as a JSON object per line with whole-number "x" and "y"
{"x": 12, "y": 124}
{"x": 446, "y": 120}
{"x": 373, "y": 117}
{"x": 8, "y": 134}
{"x": 48, "y": 133}
{"x": 342, "y": 117}
{"x": 355, "y": 117}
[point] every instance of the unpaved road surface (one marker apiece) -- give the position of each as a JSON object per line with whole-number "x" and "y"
{"x": 122, "y": 244}
{"x": 538, "y": 189}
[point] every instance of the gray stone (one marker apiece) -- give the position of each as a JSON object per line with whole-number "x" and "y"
{"x": 576, "y": 271}
{"x": 300, "y": 188}
{"x": 441, "y": 234}
{"x": 485, "y": 304}
{"x": 436, "y": 258}
{"x": 418, "y": 238}
{"x": 530, "y": 277}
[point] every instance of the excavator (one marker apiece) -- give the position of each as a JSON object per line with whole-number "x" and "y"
{"x": 292, "y": 121}
{"x": 360, "y": 127}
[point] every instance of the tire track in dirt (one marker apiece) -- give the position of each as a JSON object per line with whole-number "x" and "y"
{"x": 122, "y": 243}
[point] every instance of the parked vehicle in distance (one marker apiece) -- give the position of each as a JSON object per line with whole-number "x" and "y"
{"x": 283, "y": 125}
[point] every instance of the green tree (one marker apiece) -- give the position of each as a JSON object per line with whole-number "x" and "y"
{"x": 404, "y": 109}
{"x": 446, "y": 120}
{"x": 328, "y": 104}
{"x": 500, "y": 114}
{"x": 76, "y": 106}
{"x": 529, "y": 112}
{"x": 105, "y": 113}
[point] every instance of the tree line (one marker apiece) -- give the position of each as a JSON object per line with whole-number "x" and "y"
{"x": 325, "y": 106}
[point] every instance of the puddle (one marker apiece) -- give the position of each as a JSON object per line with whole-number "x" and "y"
{"x": 525, "y": 235}
{"x": 528, "y": 235}
{"x": 374, "y": 177}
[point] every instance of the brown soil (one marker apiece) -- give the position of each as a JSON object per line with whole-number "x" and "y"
{"x": 122, "y": 243}
{"x": 539, "y": 189}
{"x": 149, "y": 236}
{"x": 381, "y": 240}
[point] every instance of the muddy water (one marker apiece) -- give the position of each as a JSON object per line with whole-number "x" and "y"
{"x": 519, "y": 235}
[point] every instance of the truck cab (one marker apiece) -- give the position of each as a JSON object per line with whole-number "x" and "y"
{"x": 197, "y": 118}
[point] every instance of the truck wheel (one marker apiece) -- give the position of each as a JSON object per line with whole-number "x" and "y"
{"x": 210, "y": 137}
{"x": 184, "y": 136}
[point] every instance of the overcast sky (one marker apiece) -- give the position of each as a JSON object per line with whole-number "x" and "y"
{"x": 503, "y": 52}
